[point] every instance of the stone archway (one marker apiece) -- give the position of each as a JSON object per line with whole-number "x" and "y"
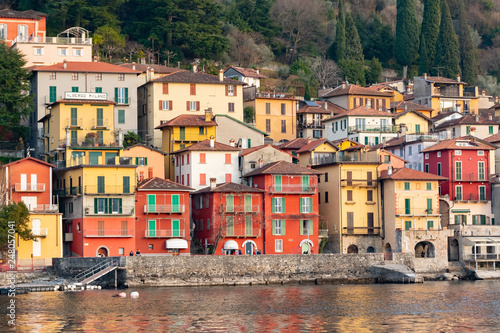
{"x": 424, "y": 250}
{"x": 352, "y": 249}
{"x": 103, "y": 251}
{"x": 444, "y": 210}
{"x": 370, "y": 249}
{"x": 387, "y": 248}
{"x": 453, "y": 249}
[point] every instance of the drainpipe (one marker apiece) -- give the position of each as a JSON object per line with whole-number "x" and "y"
{"x": 341, "y": 243}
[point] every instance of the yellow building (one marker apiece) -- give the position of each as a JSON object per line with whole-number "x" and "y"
{"x": 414, "y": 121}
{"x": 404, "y": 106}
{"x": 444, "y": 95}
{"x": 184, "y": 131}
{"x": 185, "y": 93}
{"x": 347, "y": 144}
{"x": 316, "y": 152}
{"x": 48, "y": 242}
{"x": 351, "y": 96}
{"x": 275, "y": 116}
{"x": 412, "y": 219}
{"x": 350, "y": 201}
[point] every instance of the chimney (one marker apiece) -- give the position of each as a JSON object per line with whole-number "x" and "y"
{"x": 141, "y": 176}
{"x": 257, "y": 71}
{"x": 208, "y": 115}
{"x": 120, "y": 138}
{"x": 213, "y": 183}
{"x": 490, "y": 116}
{"x": 402, "y": 130}
{"x": 343, "y": 85}
{"x": 260, "y": 162}
{"x": 150, "y": 172}
{"x": 231, "y": 143}
{"x": 389, "y": 170}
{"x": 95, "y": 59}
{"x": 212, "y": 141}
{"x": 477, "y": 117}
{"x": 68, "y": 138}
{"x": 483, "y": 92}
{"x": 195, "y": 68}
{"x": 221, "y": 75}
{"x": 65, "y": 64}
{"x": 425, "y": 76}
{"x": 458, "y": 78}
{"x": 133, "y": 65}
{"x": 309, "y": 139}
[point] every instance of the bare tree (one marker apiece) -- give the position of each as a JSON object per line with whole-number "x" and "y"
{"x": 169, "y": 54}
{"x": 326, "y": 72}
{"x": 131, "y": 47}
{"x": 245, "y": 51}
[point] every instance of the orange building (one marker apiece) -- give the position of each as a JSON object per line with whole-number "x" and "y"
{"x": 150, "y": 161}
{"x": 21, "y": 26}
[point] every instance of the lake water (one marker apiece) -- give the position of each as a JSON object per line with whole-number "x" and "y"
{"x": 456, "y": 306}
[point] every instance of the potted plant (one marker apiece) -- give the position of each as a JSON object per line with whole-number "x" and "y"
{"x": 91, "y": 139}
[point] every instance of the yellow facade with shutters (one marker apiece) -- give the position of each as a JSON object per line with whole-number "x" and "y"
{"x": 47, "y": 229}
{"x": 414, "y": 123}
{"x": 321, "y": 153}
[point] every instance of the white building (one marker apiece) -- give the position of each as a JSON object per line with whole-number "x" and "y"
{"x": 244, "y": 135}
{"x": 475, "y": 125}
{"x": 248, "y": 75}
{"x": 197, "y": 164}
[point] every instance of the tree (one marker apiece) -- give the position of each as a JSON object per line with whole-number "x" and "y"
{"x": 423, "y": 63}
{"x": 447, "y": 54}
{"x": 429, "y": 33}
{"x": 15, "y": 103}
{"x": 249, "y": 114}
{"x": 112, "y": 42}
{"x": 130, "y": 139}
{"x": 467, "y": 48}
{"x": 373, "y": 73}
{"x": 353, "y": 49}
{"x": 340, "y": 35}
{"x": 326, "y": 72}
{"x": 17, "y": 212}
{"x": 406, "y": 34}
{"x": 489, "y": 83}
{"x": 244, "y": 51}
{"x": 354, "y": 71}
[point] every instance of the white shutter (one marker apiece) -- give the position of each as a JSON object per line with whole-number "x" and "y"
{"x": 24, "y": 181}
{"x": 33, "y": 181}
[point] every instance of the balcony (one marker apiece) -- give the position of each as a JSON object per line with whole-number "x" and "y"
{"x": 241, "y": 232}
{"x": 27, "y": 187}
{"x": 242, "y": 209}
{"x": 41, "y": 232}
{"x": 108, "y": 189}
{"x": 310, "y": 124}
{"x": 100, "y": 124}
{"x": 361, "y": 231}
{"x": 470, "y": 177}
{"x": 62, "y": 192}
{"x": 164, "y": 233}
{"x": 446, "y": 91}
{"x": 74, "y": 124}
{"x": 44, "y": 208}
{"x": 288, "y": 188}
{"x": 358, "y": 183}
{"x": 51, "y": 40}
{"x": 163, "y": 209}
{"x": 323, "y": 233}
{"x": 124, "y": 210}
{"x": 419, "y": 212}
{"x": 123, "y": 100}
{"x": 474, "y": 198}
{"x": 123, "y": 233}
{"x": 482, "y": 257}
{"x": 68, "y": 237}
{"x": 373, "y": 129}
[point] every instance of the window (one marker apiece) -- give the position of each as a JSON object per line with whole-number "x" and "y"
{"x": 467, "y": 129}
{"x": 230, "y": 90}
{"x": 115, "y": 205}
{"x": 349, "y": 195}
{"x": 306, "y": 205}
{"x": 141, "y": 161}
{"x": 227, "y": 159}
{"x": 461, "y": 219}
{"x": 126, "y": 184}
{"x": 480, "y": 153}
{"x": 482, "y": 193}
{"x": 409, "y": 150}
{"x": 207, "y": 201}
{"x": 201, "y": 225}
{"x": 100, "y": 137}
{"x": 268, "y": 108}
{"x": 426, "y": 156}
{"x": 490, "y": 129}
{"x": 208, "y": 224}
{"x": 458, "y": 152}
{"x": 439, "y": 169}
{"x": 62, "y": 51}
{"x": 121, "y": 251}
{"x": 430, "y": 225}
{"x": 427, "y": 167}
{"x": 283, "y": 109}
{"x": 419, "y": 148}
{"x": 277, "y": 183}
{"x": 230, "y": 226}
{"x": 121, "y": 77}
{"x": 74, "y": 89}
{"x": 74, "y": 76}
{"x": 230, "y": 107}
{"x": 479, "y": 219}
{"x": 98, "y": 89}
{"x": 407, "y": 186}
{"x": 429, "y": 206}
{"x": 193, "y": 106}
{"x": 165, "y": 105}
{"x": 3, "y": 31}
{"x": 480, "y": 174}
{"x": 278, "y": 245}
{"x": 268, "y": 125}
{"x": 228, "y": 178}
{"x": 407, "y": 206}
{"x": 121, "y": 95}
{"x": 98, "y": 76}
{"x": 203, "y": 179}
{"x": 192, "y": 89}
{"x": 458, "y": 192}
{"x": 278, "y": 227}
{"x": 326, "y": 197}
{"x": 52, "y": 93}
{"x": 458, "y": 170}
{"x": 229, "y": 203}
{"x": 77, "y": 52}
{"x": 306, "y": 227}
{"x": 121, "y": 116}
{"x": 99, "y": 117}
{"x": 203, "y": 158}
{"x": 100, "y": 205}
{"x": 74, "y": 116}
{"x": 429, "y": 186}
{"x": 369, "y": 195}
{"x": 74, "y": 138}
{"x": 407, "y": 225}
{"x": 278, "y": 205}
{"x": 283, "y": 126}
{"x": 52, "y": 76}
{"x": 417, "y": 128}
{"x": 326, "y": 177}
{"x": 38, "y": 51}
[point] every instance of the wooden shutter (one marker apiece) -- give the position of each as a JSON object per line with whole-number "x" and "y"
{"x": 227, "y": 90}
{"x": 170, "y": 105}
{"x": 383, "y": 105}
{"x": 192, "y": 89}
{"x": 274, "y": 205}
{"x": 274, "y": 227}
{"x": 100, "y": 228}
{"x": 95, "y": 205}
{"x": 301, "y": 227}
{"x": 197, "y": 106}
{"x": 116, "y": 95}
{"x": 283, "y": 227}
{"x": 187, "y": 106}
{"x": 165, "y": 88}
{"x": 124, "y": 228}
{"x": 235, "y": 90}
{"x": 161, "y": 105}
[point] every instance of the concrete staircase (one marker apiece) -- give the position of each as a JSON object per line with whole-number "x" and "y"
{"x": 394, "y": 273}
{"x": 96, "y": 271}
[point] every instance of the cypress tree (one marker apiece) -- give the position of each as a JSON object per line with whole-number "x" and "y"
{"x": 353, "y": 49}
{"x": 430, "y": 30}
{"x": 406, "y": 34}
{"x": 467, "y": 50}
{"x": 447, "y": 54}
{"x": 423, "y": 64}
{"x": 340, "y": 35}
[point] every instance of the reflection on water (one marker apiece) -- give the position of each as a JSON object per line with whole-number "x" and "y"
{"x": 433, "y": 306}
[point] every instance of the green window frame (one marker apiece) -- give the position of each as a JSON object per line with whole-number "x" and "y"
{"x": 429, "y": 205}
{"x": 279, "y": 227}
{"x": 407, "y": 186}
{"x": 417, "y": 128}
{"x": 74, "y": 137}
{"x": 126, "y": 184}
{"x": 101, "y": 184}
{"x": 151, "y": 203}
{"x": 308, "y": 224}
{"x": 99, "y": 117}
{"x": 52, "y": 94}
{"x": 306, "y": 205}
{"x": 229, "y": 203}
{"x": 481, "y": 174}
{"x": 98, "y": 89}
{"x": 458, "y": 170}
{"x": 229, "y": 226}
{"x": 152, "y": 228}
{"x": 176, "y": 208}
{"x": 277, "y": 183}
{"x": 458, "y": 192}
{"x": 482, "y": 193}
{"x": 201, "y": 130}
{"x": 366, "y": 141}
{"x": 74, "y": 89}
{"x": 74, "y": 116}
{"x": 248, "y": 225}
{"x": 407, "y": 225}
{"x": 278, "y": 205}
{"x": 407, "y": 206}
{"x": 430, "y": 224}
{"x": 429, "y": 186}
{"x": 467, "y": 129}
{"x": 100, "y": 137}
{"x": 305, "y": 183}
{"x": 490, "y": 129}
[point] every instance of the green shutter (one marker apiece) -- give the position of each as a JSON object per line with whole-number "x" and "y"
{"x": 283, "y": 205}
{"x": 74, "y": 89}
{"x": 301, "y": 204}
{"x": 151, "y": 203}
{"x": 376, "y": 140}
{"x": 407, "y": 225}
{"x": 283, "y": 227}
{"x": 229, "y": 203}
{"x": 175, "y": 203}
{"x": 490, "y": 130}
{"x": 474, "y": 219}
{"x": 407, "y": 206}
{"x": 120, "y": 206}
{"x": 95, "y": 205}
{"x": 116, "y": 95}
{"x": 126, "y": 184}
{"x": 274, "y": 227}
{"x": 310, "y": 227}
{"x": 457, "y": 221}
{"x": 107, "y": 207}
{"x": 430, "y": 224}
{"x": 100, "y": 184}
{"x": 311, "y": 205}
{"x": 99, "y": 117}
{"x": 126, "y": 95}
{"x": 301, "y": 227}
{"x": 417, "y": 128}
{"x": 52, "y": 94}
{"x": 121, "y": 116}
{"x": 249, "y": 143}
{"x": 145, "y": 161}
{"x": 152, "y": 228}
{"x": 98, "y": 89}
{"x": 248, "y": 203}
{"x": 277, "y": 183}
{"x": 429, "y": 206}
{"x": 274, "y": 204}
{"x": 74, "y": 116}
{"x": 366, "y": 141}
{"x": 305, "y": 183}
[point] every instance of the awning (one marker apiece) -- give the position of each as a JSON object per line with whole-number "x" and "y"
{"x": 306, "y": 241}
{"x": 230, "y": 245}
{"x": 177, "y": 244}
{"x": 249, "y": 241}
{"x": 474, "y": 241}
{"x": 460, "y": 210}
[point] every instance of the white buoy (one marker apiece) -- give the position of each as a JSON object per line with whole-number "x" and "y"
{"x": 122, "y": 295}
{"x": 134, "y": 294}
{"x": 98, "y": 287}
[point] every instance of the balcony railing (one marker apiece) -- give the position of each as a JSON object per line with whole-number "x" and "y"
{"x": 242, "y": 209}
{"x": 52, "y": 40}
{"x": 109, "y": 233}
{"x": 164, "y": 233}
{"x": 100, "y": 124}
{"x": 23, "y": 187}
{"x": 108, "y": 189}
{"x": 44, "y": 208}
{"x": 482, "y": 257}
{"x": 418, "y": 212}
{"x": 241, "y": 232}
{"x": 323, "y": 233}
{"x": 358, "y": 183}
{"x": 286, "y": 188}
{"x": 41, "y": 232}
{"x": 123, "y": 100}
{"x": 125, "y": 210}
{"x": 164, "y": 209}
{"x": 474, "y": 197}
{"x": 75, "y": 190}
{"x": 343, "y": 157}
{"x": 361, "y": 230}
{"x": 74, "y": 123}
{"x": 374, "y": 129}
{"x": 471, "y": 177}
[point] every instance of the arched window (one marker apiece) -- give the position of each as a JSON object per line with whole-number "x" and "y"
{"x": 370, "y": 249}
{"x": 352, "y": 249}
{"x": 424, "y": 250}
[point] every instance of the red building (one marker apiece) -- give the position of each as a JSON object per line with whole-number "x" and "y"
{"x": 229, "y": 218}
{"x": 465, "y": 161}
{"x": 21, "y": 25}
{"x": 162, "y": 217}
{"x": 290, "y": 207}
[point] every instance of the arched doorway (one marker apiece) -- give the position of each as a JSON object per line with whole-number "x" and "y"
{"x": 444, "y": 210}
{"x": 370, "y": 249}
{"x": 387, "y": 248}
{"x": 352, "y": 249}
{"x": 306, "y": 248}
{"x": 102, "y": 252}
{"x": 424, "y": 250}
{"x": 453, "y": 249}
{"x": 250, "y": 247}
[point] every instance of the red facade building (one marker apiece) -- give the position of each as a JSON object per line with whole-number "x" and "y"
{"x": 290, "y": 207}
{"x": 228, "y": 218}
{"x": 162, "y": 217}
{"x": 21, "y": 26}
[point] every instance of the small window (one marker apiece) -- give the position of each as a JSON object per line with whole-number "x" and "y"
{"x": 150, "y": 246}
{"x": 38, "y": 51}
{"x": 192, "y": 106}
{"x": 429, "y": 186}
{"x": 121, "y": 251}
{"x": 121, "y": 116}
{"x": 62, "y": 51}
{"x": 426, "y": 156}
{"x": 268, "y": 108}
{"x": 407, "y": 186}
{"x": 52, "y": 76}
{"x": 283, "y": 109}
{"x": 278, "y": 245}
{"x": 230, "y": 90}
{"x": 230, "y": 107}
{"x": 98, "y": 76}
{"x": 77, "y": 52}
{"x": 74, "y": 76}
{"x": 438, "y": 154}
{"x": 201, "y": 130}
{"x": 121, "y": 77}
{"x": 480, "y": 152}
{"x": 458, "y": 152}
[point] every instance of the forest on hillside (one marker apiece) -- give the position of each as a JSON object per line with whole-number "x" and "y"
{"x": 317, "y": 41}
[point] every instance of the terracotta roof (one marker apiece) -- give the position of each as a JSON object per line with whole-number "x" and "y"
{"x": 242, "y": 123}
{"x": 468, "y": 120}
{"x": 418, "y": 113}
{"x": 159, "y": 69}
{"x": 409, "y": 174}
{"x": 442, "y": 115}
{"x": 191, "y": 77}
{"x": 250, "y": 150}
{"x": 313, "y": 144}
{"x": 452, "y": 144}
{"x": 332, "y": 107}
{"x": 408, "y": 96}
{"x": 312, "y": 109}
{"x": 90, "y": 67}
{"x": 84, "y": 101}
{"x": 28, "y": 14}
{"x": 361, "y": 111}
{"x": 394, "y": 142}
{"x": 148, "y": 147}
{"x": 161, "y": 184}
{"x": 284, "y": 168}
{"x": 494, "y": 138}
{"x": 187, "y": 120}
{"x": 439, "y": 79}
{"x": 30, "y": 159}
{"x": 293, "y": 144}
{"x": 248, "y": 72}
{"x": 410, "y": 106}
{"x": 354, "y": 90}
{"x": 205, "y": 146}
{"x": 230, "y": 188}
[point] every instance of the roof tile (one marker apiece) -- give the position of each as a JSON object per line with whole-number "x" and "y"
{"x": 205, "y": 146}
{"x": 230, "y": 188}
{"x": 283, "y": 168}
{"x": 409, "y": 174}
{"x": 80, "y": 66}
{"x": 161, "y": 184}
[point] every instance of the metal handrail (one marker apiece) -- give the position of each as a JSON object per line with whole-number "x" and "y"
{"x": 96, "y": 268}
